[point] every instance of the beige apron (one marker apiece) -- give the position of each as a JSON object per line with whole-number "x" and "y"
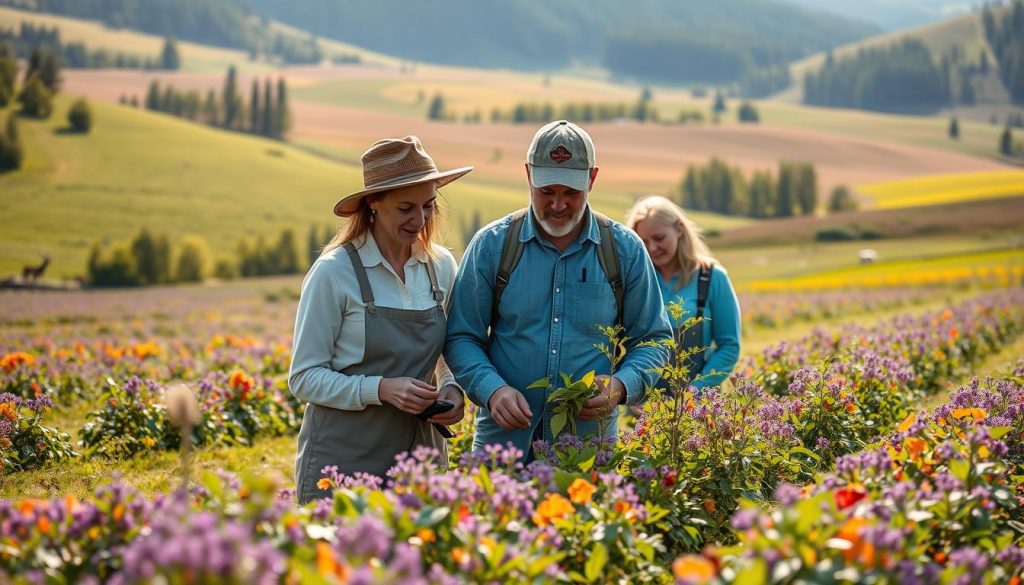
{"x": 399, "y": 342}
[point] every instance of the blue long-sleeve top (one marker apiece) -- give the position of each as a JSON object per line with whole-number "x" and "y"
{"x": 547, "y": 322}
{"x": 721, "y": 321}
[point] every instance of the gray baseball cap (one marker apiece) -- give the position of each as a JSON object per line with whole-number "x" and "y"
{"x": 561, "y": 153}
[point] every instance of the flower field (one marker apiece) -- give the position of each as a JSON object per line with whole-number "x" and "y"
{"x": 816, "y": 463}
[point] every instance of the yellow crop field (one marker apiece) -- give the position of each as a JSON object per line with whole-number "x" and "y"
{"x": 1000, "y": 268}
{"x": 939, "y": 189}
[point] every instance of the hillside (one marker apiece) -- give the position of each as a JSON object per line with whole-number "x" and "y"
{"x": 537, "y": 35}
{"x": 891, "y": 14}
{"x": 962, "y": 34}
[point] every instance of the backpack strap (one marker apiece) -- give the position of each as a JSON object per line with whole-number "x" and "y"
{"x": 703, "y": 284}
{"x": 608, "y": 256}
{"x": 511, "y": 252}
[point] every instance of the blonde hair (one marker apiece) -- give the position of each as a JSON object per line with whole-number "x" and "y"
{"x": 692, "y": 252}
{"x": 355, "y": 227}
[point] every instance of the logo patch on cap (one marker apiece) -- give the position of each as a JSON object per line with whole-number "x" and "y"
{"x": 561, "y": 154}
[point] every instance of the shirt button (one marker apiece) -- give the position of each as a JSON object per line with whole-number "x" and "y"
{"x": 558, "y": 290}
{"x": 554, "y": 351}
{"x": 556, "y": 319}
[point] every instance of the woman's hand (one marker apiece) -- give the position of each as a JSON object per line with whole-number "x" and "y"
{"x": 407, "y": 394}
{"x": 453, "y": 394}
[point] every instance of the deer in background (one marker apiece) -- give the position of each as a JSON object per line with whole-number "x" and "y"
{"x": 33, "y": 273}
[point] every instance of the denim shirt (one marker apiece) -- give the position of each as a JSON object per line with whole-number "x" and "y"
{"x": 721, "y": 322}
{"x": 547, "y": 323}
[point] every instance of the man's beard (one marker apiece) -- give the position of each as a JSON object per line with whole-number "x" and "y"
{"x": 559, "y": 231}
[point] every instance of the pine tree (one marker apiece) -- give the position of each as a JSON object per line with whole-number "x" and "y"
{"x": 35, "y": 99}
{"x": 762, "y": 194}
{"x": 807, "y": 188}
{"x": 211, "y": 110}
{"x": 8, "y": 74}
{"x": 282, "y": 118}
{"x": 230, "y": 100}
{"x": 255, "y": 114}
{"x": 153, "y": 96}
{"x": 785, "y": 192}
{"x": 436, "y": 110}
{"x": 841, "y": 200}
{"x": 169, "y": 58}
{"x": 49, "y": 72}
{"x": 719, "y": 107}
{"x": 144, "y": 252}
{"x": 11, "y": 152}
{"x": 1006, "y": 142}
{"x": 954, "y": 128}
{"x": 267, "y": 126}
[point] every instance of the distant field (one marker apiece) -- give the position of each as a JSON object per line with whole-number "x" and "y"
{"x": 1002, "y": 268}
{"x": 945, "y": 189}
{"x": 751, "y": 267}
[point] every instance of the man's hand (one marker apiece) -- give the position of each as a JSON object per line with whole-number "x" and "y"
{"x": 610, "y": 393}
{"x": 509, "y": 409}
{"x": 454, "y": 415}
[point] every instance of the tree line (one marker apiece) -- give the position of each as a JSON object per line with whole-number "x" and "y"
{"x": 265, "y": 114}
{"x": 214, "y": 22}
{"x": 76, "y": 55}
{"x": 149, "y": 259}
{"x": 888, "y": 78}
{"x": 42, "y": 82}
{"x": 721, "y": 188}
{"x": 1005, "y": 34}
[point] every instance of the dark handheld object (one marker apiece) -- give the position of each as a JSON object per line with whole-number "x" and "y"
{"x": 435, "y": 409}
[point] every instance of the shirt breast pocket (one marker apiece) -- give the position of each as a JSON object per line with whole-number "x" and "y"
{"x": 593, "y": 305}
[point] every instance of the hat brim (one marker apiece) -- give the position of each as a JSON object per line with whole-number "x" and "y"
{"x": 578, "y": 179}
{"x": 349, "y": 204}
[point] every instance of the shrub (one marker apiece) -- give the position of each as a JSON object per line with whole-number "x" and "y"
{"x": 36, "y": 100}
{"x": 80, "y": 116}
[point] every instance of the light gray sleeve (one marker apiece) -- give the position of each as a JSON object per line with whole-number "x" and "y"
{"x": 317, "y": 326}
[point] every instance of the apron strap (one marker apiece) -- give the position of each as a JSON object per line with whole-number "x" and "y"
{"x": 364, "y": 283}
{"x": 434, "y": 289}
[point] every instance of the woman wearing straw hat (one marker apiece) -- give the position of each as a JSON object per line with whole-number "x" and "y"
{"x": 371, "y": 324}
{"x": 692, "y": 277}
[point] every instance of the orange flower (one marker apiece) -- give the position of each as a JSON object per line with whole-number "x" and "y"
{"x": 915, "y": 446}
{"x": 9, "y": 411}
{"x": 977, "y": 414}
{"x": 859, "y": 550}
{"x": 581, "y": 491}
{"x": 693, "y": 569}
{"x": 953, "y": 333}
{"x": 323, "y": 484}
{"x": 946, "y": 315}
{"x": 709, "y": 506}
{"x": 553, "y": 507}
{"x": 145, "y": 350}
{"x": 326, "y": 564}
{"x": 427, "y": 535}
{"x": 459, "y": 555}
{"x": 12, "y": 360}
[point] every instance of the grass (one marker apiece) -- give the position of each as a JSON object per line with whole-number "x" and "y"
{"x": 934, "y": 190}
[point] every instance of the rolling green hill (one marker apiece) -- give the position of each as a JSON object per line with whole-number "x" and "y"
{"x": 139, "y": 169}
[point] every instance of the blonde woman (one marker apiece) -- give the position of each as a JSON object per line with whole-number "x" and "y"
{"x": 371, "y": 324}
{"x": 690, "y": 275}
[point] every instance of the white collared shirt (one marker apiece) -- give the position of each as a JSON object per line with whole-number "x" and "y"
{"x": 330, "y": 324}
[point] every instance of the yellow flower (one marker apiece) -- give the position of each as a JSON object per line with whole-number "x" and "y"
{"x": 907, "y": 423}
{"x": 554, "y": 506}
{"x": 581, "y": 491}
{"x": 693, "y": 569}
{"x": 12, "y": 360}
{"x": 148, "y": 441}
{"x": 427, "y": 535}
{"x": 915, "y": 447}
{"x": 326, "y": 564}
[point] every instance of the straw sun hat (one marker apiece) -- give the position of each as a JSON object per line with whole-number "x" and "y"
{"x": 392, "y": 163}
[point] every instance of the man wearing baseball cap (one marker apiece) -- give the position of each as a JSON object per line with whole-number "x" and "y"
{"x": 534, "y": 288}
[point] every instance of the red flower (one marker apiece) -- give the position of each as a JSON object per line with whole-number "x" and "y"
{"x": 670, "y": 479}
{"x": 849, "y": 496}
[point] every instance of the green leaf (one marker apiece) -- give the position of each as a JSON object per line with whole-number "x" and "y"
{"x": 558, "y": 423}
{"x": 585, "y": 466}
{"x": 960, "y": 469}
{"x": 595, "y": 564}
{"x": 999, "y": 432}
{"x": 805, "y": 451}
{"x": 542, "y": 383}
{"x": 484, "y": 477}
{"x": 753, "y": 574}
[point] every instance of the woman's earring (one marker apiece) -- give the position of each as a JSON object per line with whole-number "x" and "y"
{"x": 373, "y": 215}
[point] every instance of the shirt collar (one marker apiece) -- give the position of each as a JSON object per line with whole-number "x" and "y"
{"x": 590, "y": 230}
{"x": 370, "y": 254}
